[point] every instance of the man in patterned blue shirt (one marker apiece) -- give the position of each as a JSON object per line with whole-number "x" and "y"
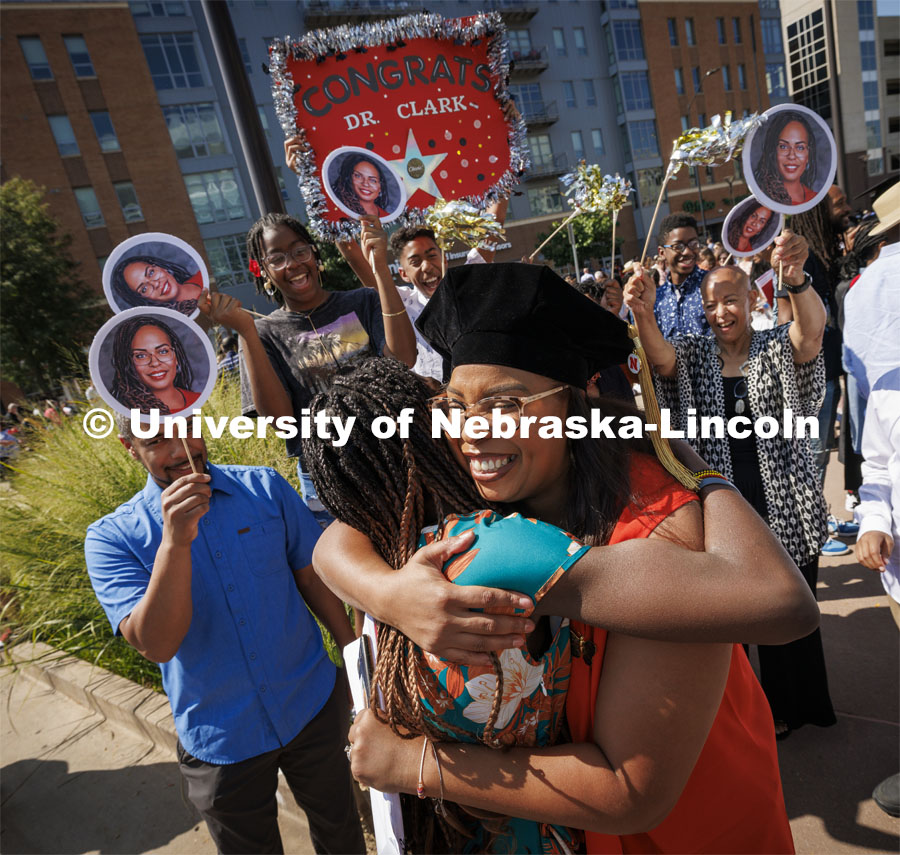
{"x": 210, "y": 575}
{"x": 679, "y": 304}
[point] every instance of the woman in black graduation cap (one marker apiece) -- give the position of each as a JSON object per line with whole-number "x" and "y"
{"x": 521, "y": 334}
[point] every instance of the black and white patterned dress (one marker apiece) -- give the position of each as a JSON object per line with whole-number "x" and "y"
{"x": 795, "y": 504}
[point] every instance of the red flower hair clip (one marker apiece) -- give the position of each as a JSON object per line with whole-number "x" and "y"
{"x": 253, "y": 267}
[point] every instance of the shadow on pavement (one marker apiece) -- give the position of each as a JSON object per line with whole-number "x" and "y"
{"x": 48, "y": 809}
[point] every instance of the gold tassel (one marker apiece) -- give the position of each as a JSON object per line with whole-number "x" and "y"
{"x": 673, "y": 466}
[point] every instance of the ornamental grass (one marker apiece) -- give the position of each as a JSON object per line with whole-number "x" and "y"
{"x": 61, "y": 482}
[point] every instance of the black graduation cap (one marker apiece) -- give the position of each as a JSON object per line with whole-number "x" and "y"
{"x": 522, "y": 316}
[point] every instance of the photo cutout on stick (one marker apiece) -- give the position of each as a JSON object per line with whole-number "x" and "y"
{"x": 148, "y": 358}
{"x": 750, "y": 227}
{"x": 155, "y": 270}
{"x": 361, "y": 184}
{"x": 790, "y": 160}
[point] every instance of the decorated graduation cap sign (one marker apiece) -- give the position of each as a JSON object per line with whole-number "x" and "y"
{"x": 155, "y": 270}
{"x": 394, "y": 115}
{"x": 149, "y": 358}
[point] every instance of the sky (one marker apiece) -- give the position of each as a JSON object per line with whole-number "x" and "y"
{"x": 887, "y": 7}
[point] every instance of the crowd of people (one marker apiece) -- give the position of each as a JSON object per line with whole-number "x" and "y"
{"x": 562, "y": 627}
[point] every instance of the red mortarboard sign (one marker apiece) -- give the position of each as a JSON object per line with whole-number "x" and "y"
{"x": 394, "y": 115}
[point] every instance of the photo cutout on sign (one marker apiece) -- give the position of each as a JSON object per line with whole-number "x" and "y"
{"x": 750, "y": 227}
{"x": 790, "y": 160}
{"x": 363, "y": 184}
{"x": 155, "y": 270}
{"x": 152, "y": 359}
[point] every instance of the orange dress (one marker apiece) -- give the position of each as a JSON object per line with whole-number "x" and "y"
{"x": 733, "y": 800}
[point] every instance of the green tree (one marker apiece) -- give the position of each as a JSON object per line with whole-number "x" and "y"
{"x": 47, "y": 313}
{"x": 337, "y": 273}
{"x": 592, "y": 237}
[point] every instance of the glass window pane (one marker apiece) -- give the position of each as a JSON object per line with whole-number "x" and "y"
{"x": 64, "y": 135}
{"x": 679, "y": 81}
{"x": 173, "y": 60}
{"x": 597, "y": 140}
{"x": 628, "y": 39}
{"x": 720, "y": 30}
{"x": 544, "y": 200}
{"x": 643, "y": 139}
{"x": 580, "y": 41}
{"x": 559, "y": 41}
{"x": 128, "y": 199}
{"x": 569, "y": 90}
{"x": 578, "y": 144}
{"x": 673, "y": 32}
{"x": 689, "y": 31}
{"x": 35, "y": 58}
{"x": 736, "y": 26}
{"x": 89, "y": 206}
{"x": 106, "y": 133}
{"x": 590, "y": 95}
{"x": 636, "y": 89}
{"x": 78, "y": 53}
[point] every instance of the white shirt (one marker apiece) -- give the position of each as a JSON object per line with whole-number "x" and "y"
{"x": 429, "y": 363}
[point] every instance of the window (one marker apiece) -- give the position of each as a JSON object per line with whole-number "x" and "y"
{"x": 649, "y": 182}
{"x": 894, "y": 125}
{"x": 808, "y": 60}
{"x": 865, "y": 14}
{"x": 544, "y": 200}
{"x": 875, "y": 165}
{"x": 559, "y": 41}
{"x": 892, "y": 47}
{"x": 90, "y": 208}
{"x": 519, "y": 43}
{"x": 643, "y": 139}
{"x": 771, "y": 35}
{"x": 541, "y": 150}
{"x": 679, "y": 81}
{"x": 158, "y": 10}
{"x": 867, "y": 55}
{"x": 597, "y": 141}
{"x": 695, "y": 78}
{"x": 726, "y": 77}
{"x": 578, "y": 145}
{"x": 35, "y": 58}
{"x": 64, "y": 135}
{"x": 173, "y": 60}
{"x": 636, "y": 90}
{"x": 892, "y": 86}
{"x": 106, "y": 133}
{"x": 195, "y": 130}
{"x": 245, "y": 56}
{"x": 685, "y": 123}
{"x": 529, "y": 101}
{"x": 673, "y": 31}
{"x": 590, "y": 95}
{"x": 569, "y": 92}
{"x": 81, "y": 59}
{"x": 128, "y": 199}
{"x": 775, "y": 79}
{"x": 701, "y": 120}
{"x": 263, "y": 118}
{"x": 736, "y": 28}
{"x": 279, "y": 174}
{"x": 710, "y": 178}
{"x": 228, "y": 260}
{"x": 742, "y": 76}
{"x": 629, "y": 43}
{"x": 215, "y": 196}
{"x": 689, "y": 31}
{"x": 873, "y": 134}
{"x": 580, "y": 41}
{"x": 870, "y": 95}
{"x": 720, "y": 30}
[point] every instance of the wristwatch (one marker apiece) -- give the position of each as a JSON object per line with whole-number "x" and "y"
{"x": 798, "y": 289}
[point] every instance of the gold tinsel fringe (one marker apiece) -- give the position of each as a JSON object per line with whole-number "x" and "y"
{"x": 673, "y": 466}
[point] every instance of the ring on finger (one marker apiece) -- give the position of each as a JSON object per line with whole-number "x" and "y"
{"x": 347, "y": 749}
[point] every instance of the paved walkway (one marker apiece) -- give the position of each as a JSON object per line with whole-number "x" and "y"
{"x": 72, "y": 782}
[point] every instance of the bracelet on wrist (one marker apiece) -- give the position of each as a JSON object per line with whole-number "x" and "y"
{"x": 393, "y": 314}
{"x": 798, "y": 289}
{"x": 700, "y": 474}
{"x": 713, "y": 481}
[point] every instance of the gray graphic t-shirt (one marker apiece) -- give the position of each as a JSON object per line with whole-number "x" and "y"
{"x": 347, "y": 325}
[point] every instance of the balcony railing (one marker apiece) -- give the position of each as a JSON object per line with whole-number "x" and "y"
{"x": 533, "y": 61}
{"x": 330, "y": 13}
{"x": 540, "y": 115}
{"x": 513, "y": 11}
{"x": 546, "y": 167}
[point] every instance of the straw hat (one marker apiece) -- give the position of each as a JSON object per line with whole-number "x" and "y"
{"x": 887, "y": 209}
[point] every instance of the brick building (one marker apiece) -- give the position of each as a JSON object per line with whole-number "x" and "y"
{"x": 81, "y": 118}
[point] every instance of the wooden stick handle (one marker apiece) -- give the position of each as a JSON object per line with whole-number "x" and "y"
{"x": 190, "y": 456}
{"x": 443, "y": 263}
{"x": 662, "y": 191}
{"x": 555, "y": 232}
{"x": 612, "y": 258}
{"x": 727, "y": 260}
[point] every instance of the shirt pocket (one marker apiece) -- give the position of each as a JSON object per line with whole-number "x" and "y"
{"x": 264, "y": 547}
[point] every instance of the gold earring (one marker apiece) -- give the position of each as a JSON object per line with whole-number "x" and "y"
{"x": 268, "y": 287}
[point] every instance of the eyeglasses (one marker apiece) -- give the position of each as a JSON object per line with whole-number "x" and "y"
{"x": 301, "y": 252}
{"x": 678, "y": 246}
{"x": 164, "y": 353}
{"x": 367, "y": 180}
{"x": 507, "y": 405}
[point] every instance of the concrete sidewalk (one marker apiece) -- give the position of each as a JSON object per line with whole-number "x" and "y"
{"x": 97, "y": 774}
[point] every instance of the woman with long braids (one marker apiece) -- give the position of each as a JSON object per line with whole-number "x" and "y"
{"x": 152, "y": 370}
{"x": 362, "y": 186}
{"x": 745, "y": 231}
{"x": 652, "y": 735}
{"x": 144, "y": 280}
{"x": 789, "y": 159}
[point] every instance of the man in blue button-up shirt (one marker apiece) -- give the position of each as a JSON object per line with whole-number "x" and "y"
{"x": 210, "y": 575}
{"x": 679, "y": 303}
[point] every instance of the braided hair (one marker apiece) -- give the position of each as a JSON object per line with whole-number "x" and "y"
{"x": 128, "y": 388}
{"x": 817, "y": 227}
{"x": 770, "y": 180}
{"x": 256, "y": 251}
{"x": 343, "y": 186}
{"x": 131, "y": 298}
{"x": 736, "y": 226}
